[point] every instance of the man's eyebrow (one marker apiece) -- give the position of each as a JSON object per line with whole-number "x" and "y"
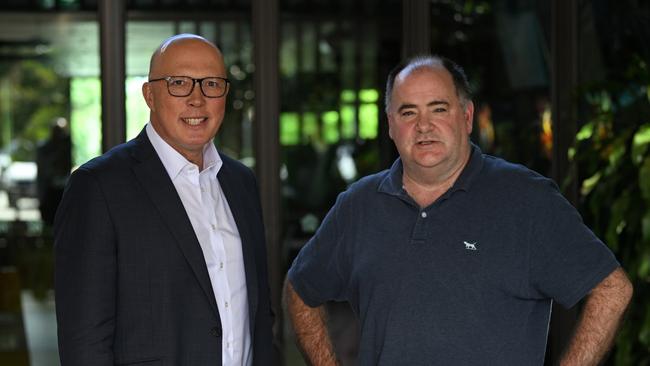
{"x": 437, "y": 102}
{"x": 430, "y": 104}
{"x": 405, "y": 106}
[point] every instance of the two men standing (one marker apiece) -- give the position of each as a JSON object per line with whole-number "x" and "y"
{"x": 450, "y": 257}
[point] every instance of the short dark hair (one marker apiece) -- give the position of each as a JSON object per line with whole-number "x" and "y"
{"x": 463, "y": 89}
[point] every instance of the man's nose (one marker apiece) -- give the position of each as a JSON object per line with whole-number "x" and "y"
{"x": 424, "y": 123}
{"x": 196, "y": 97}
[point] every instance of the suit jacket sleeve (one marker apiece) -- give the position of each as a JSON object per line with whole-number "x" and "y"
{"x": 85, "y": 273}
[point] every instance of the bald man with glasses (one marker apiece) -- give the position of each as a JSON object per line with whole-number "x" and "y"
{"x": 160, "y": 250}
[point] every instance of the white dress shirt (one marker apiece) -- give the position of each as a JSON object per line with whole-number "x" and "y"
{"x": 215, "y": 227}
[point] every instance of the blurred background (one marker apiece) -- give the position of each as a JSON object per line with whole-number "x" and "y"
{"x": 562, "y": 86}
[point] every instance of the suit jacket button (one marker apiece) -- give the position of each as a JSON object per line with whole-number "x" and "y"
{"x": 216, "y": 332}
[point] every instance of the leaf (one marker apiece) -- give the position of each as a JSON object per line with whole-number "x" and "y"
{"x": 585, "y": 132}
{"x": 644, "y": 268}
{"x": 618, "y": 150}
{"x": 644, "y": 334}
{"x": 605, "y": 101}
{"x": 640, "y": 143}
{"x": 571, "y": 153}
{"x": 645, "y": 227}
{"x": 617, "y": 221}
{"x": 589, "y": 184}
{"x": 644, "y": 179}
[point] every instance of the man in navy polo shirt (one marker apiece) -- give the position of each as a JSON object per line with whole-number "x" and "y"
{"x": 452, "y": 257}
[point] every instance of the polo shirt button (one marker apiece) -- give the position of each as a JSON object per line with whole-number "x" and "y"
{"x": 216, "y": 332}
{"x": 424, "y": 215}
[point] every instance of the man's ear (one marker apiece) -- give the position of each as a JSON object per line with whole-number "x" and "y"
{"x": 147, "y": 93}
{"x": 469, "y": 116}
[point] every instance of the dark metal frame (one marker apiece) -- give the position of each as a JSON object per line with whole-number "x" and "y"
{"x": 564, "y": 82}
{"x": 113, "y": 71}
{"x": 267, "y": 146}
{"x": 416, "y": 22}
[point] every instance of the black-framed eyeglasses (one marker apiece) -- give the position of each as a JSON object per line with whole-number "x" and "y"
{"x": 182, "y": 86}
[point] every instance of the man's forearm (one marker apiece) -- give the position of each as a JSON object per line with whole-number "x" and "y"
{"x": 310, "y": 327}
{"x": 600, "y": 320}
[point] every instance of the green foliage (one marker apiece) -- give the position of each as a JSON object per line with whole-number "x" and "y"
{"x": 612, "y": 157}
{"x": 39, "y": 95}
{"x": 85, "y": 119}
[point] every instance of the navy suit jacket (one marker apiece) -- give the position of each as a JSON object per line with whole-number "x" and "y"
{"x": 131, "y": 283}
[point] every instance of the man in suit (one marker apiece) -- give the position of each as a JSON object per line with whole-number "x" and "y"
{"x": 160, "y": 251}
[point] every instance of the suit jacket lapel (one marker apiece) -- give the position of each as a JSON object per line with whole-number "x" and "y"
{"x": 242, "y": 214}
{"x": 156, "y": 182}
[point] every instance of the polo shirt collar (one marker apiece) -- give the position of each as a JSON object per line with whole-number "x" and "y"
{"x": 392, "y": 182}
{"x": 174, "y": 162}
{"x": 471, "y": 170}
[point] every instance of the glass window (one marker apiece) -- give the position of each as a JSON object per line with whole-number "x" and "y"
{"x": 49, "y": 123}
{"x": 334, "y": 57}
{"x": 503, "y": 47}
{"x": 142, "y": 38}
{"x": 329, "y": 116}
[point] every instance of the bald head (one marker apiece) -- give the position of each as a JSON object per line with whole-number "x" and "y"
{"x": 179, "y": 40}
{"x": 410, "y": 66}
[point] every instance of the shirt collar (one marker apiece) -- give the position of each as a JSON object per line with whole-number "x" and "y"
{"x": 471, "y": 170}
{"x": 174, "y": 162}
{"x": 392, "y": 182}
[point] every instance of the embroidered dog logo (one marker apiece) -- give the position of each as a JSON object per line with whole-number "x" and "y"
{"x": 470, "y": 246}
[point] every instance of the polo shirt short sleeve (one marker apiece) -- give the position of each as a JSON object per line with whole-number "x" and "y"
{"x": 320, "y": 272}
{"x": 566, "y": 259}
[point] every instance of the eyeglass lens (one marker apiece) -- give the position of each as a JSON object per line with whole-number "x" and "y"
{"x": 182, "y": 86}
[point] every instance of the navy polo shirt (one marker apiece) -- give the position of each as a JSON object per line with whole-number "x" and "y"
{"x": 468, "y": 280}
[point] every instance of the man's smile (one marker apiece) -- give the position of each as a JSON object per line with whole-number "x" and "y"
{"x": 194, "y": 121}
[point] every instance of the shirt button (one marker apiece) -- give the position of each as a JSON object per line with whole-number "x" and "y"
{"x": 226, "y": 304}
{"x": 424, "y": 215}
{"x": 220, "y": 265}
{"x": 214, "y": 227}
{"x": 227, "y": 344}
